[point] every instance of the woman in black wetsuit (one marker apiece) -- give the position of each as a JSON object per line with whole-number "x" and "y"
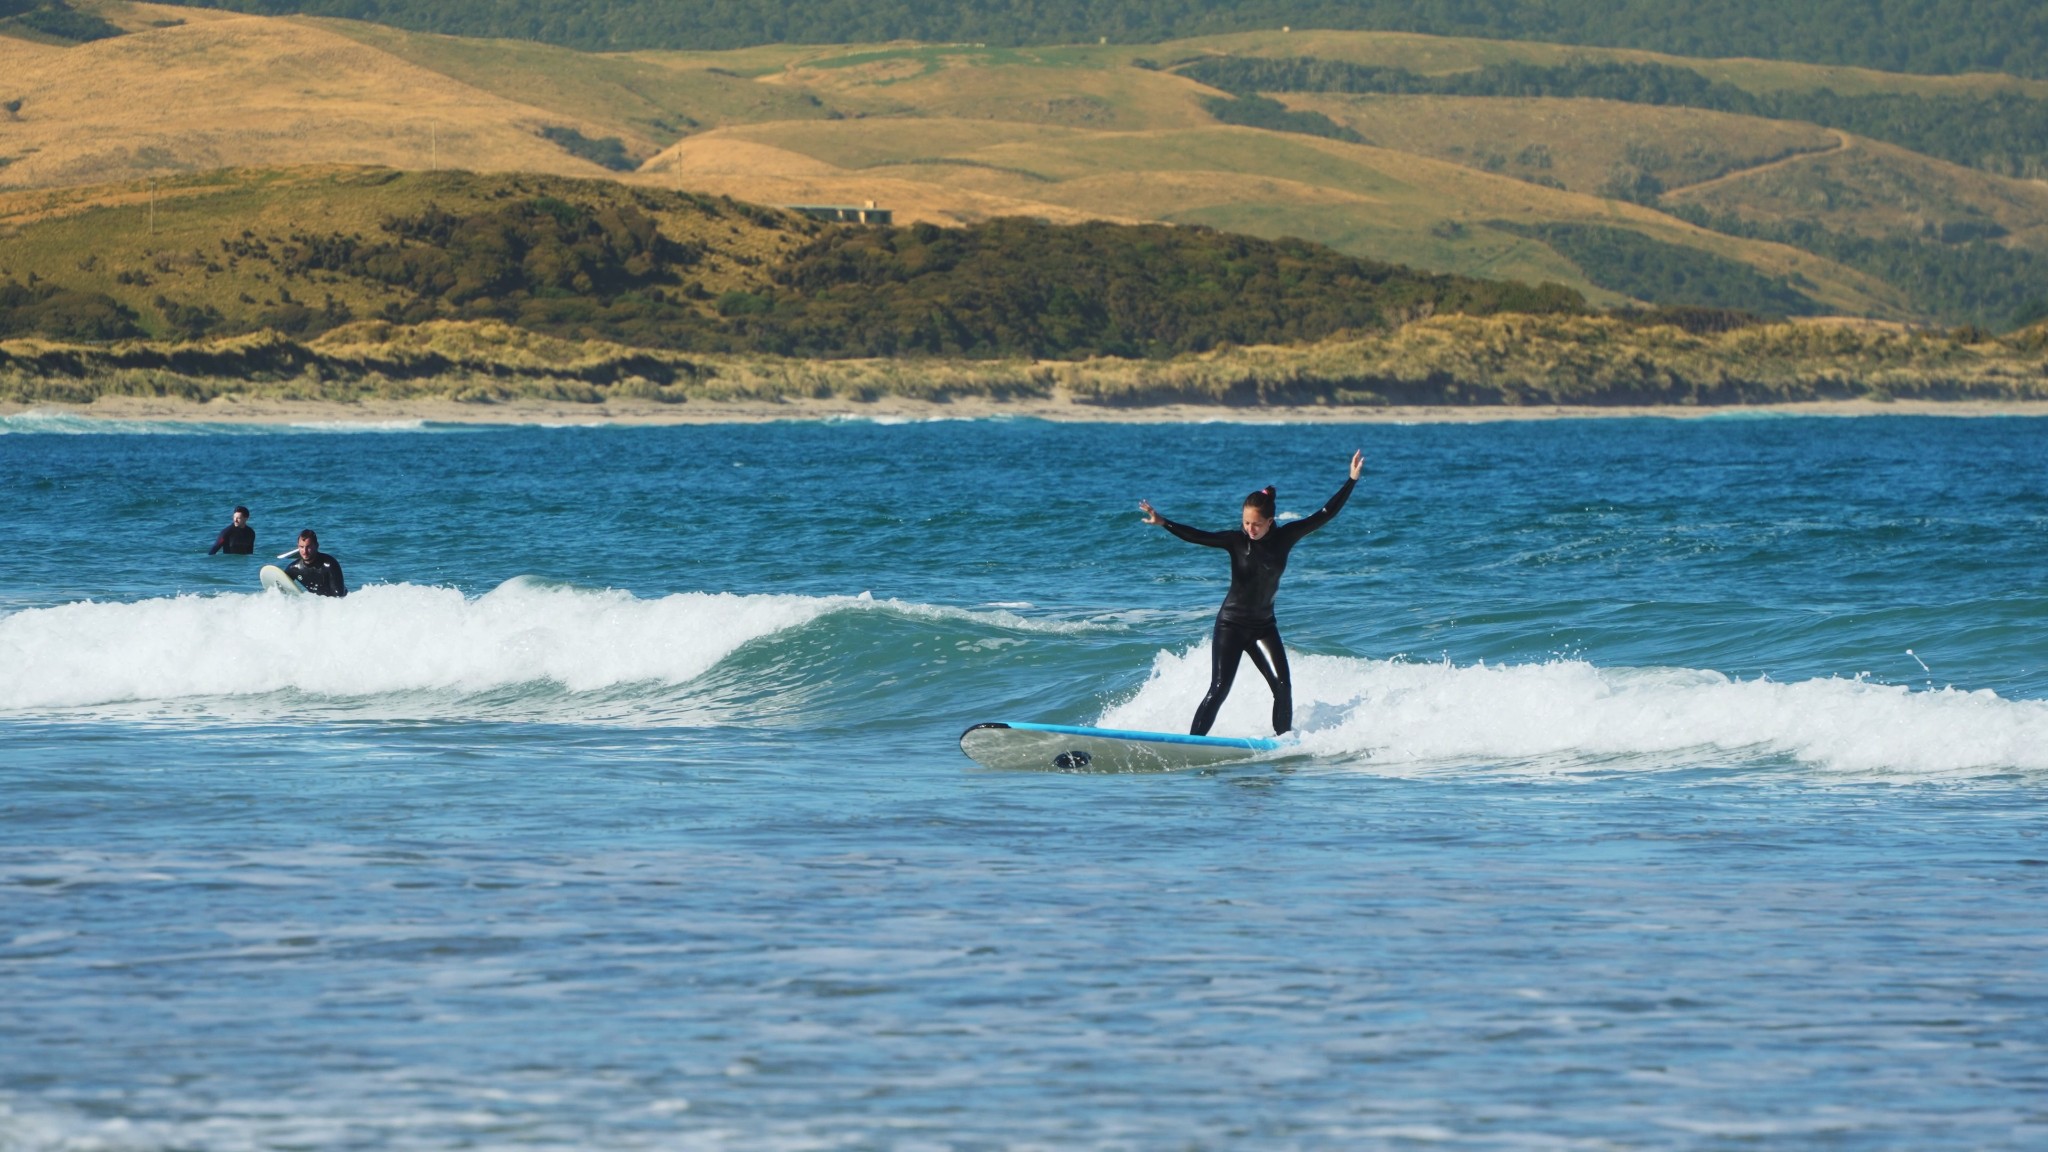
{"x": 1245, "y": 625}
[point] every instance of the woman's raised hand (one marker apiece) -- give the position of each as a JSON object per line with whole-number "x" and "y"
{"x": 1357, "y": 463}
{"x": 1151, "y": 514}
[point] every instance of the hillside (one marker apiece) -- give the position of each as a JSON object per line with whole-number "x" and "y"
{"x": 1929, "y": 36}
{"x": 223, "y": 92}
{"x": 1596, "y": 170}
{"x": 307, "y": 250}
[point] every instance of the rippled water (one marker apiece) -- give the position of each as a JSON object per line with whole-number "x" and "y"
{"x": 1663, "y": 785}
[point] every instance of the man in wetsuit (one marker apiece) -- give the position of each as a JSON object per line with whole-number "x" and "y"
{"x": 316, "y": 571}
{"x": 1245, "y": 625}
{"x": 237, "y": 539}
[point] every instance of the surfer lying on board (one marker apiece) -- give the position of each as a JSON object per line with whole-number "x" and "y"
{"x": 316, "y": 571}
{"x": 237, "y": 539}
{"x": 1245, "y": 625}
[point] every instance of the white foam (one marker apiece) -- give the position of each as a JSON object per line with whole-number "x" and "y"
{"x": 1400, "y": 716}
{"x": 358, "y": 425}
{"x": 56, "y": 422}
{"x": 49, "y": 422}
{"x": 893, "y": 420}
{"x": 387, "y": 639}
{"x": 381, "y": 639}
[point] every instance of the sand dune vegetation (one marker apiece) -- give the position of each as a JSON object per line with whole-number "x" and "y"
{"x": 1505, "y": 362}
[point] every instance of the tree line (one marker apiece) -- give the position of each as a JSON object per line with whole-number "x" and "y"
{"x": 1931, "y": 36}
{"x": 2002, "y": 132}
{"x": 1967, "y": 281}
{"x": 55, "y": 19}
{"x": 1628, "y": 262}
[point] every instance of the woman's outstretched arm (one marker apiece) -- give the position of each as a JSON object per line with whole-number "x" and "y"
{"x": 1332, "y": 506}
{"x": 1191, "y": 535}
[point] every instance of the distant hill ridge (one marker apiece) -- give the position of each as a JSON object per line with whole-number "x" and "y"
{"x": 1926, "y": 36}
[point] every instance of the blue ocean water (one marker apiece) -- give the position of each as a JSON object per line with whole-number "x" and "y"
{"x": 1663, "y": 784}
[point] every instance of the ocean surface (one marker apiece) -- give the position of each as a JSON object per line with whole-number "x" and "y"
{"x": 1662, "y": 784}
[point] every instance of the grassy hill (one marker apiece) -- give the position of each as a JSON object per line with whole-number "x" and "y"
{"x": 240, "y": 249}
{"x": 308, "y": 250}
{"x": 220, "y": 92}
{"x": 1775, "y": 214}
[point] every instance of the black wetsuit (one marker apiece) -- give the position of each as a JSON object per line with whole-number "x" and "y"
{"x": 235, "y": 540}
{"x": 1245, "y": 625}
{"x": 321, "y": 575}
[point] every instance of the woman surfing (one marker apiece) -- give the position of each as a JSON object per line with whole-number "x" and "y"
{"x": 1245, "y": 625}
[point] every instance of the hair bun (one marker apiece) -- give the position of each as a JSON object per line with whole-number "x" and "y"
{"x": 1270, "y": 490}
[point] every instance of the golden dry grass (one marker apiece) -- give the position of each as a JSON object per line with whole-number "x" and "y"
{"x": 878, "y": 142}
{"x": 722, "y": 164}
{"x": 647, "y": 99}
{"x": 1378, "y": 202}
{"x": 1577, "y": 143}
{"x": 968, "y": 88}
{"x": 222, "y": 91}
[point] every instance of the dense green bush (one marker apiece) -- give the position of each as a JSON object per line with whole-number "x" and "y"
{"x": 1004, "y": 288}
{"x": 54, "y": 18}
{"x": 605, "y": 152}
{"x": 1018, "y": 286}
{"x": 537, "y": 247}
{"x": 1636, "y": 265}
{"x": 59, "y": 313}
{"x": 1952, "y": 275}
{"x": 1254, "y": 111}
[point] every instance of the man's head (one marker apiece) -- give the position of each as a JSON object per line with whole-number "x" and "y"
{"x": 309, "y": 544}
{"x": 241, "y": 515}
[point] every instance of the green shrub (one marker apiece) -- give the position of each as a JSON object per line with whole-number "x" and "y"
{"x": 605, "y": 152}
{"x": 59, "y": 313}
{"x": 1636, "y": 265}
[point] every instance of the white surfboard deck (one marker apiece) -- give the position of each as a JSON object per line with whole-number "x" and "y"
{"x": 275, "y": 580}
{"x": 1017, "y": 745}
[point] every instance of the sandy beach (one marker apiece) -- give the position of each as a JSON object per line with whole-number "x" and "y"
{"x": 239, "y": 410}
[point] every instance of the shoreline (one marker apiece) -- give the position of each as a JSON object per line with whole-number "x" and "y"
{"x": 626, "y": 412}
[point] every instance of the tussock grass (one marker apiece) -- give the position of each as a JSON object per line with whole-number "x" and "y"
{"x": 1524, "y": 360}
{"x": 1442, "y": 360}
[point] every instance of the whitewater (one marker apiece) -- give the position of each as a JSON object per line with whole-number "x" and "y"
{"x": 395, "y": 651}
{"x": 1658, "y": 784}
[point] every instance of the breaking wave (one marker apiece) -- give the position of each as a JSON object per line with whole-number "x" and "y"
{"x": 531, "y": 649}
{"x": 457, "y": 655}
{"x": 1402, "y": 716}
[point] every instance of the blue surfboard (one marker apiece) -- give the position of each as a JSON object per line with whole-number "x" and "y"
{"x": 1064, "y": 748}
